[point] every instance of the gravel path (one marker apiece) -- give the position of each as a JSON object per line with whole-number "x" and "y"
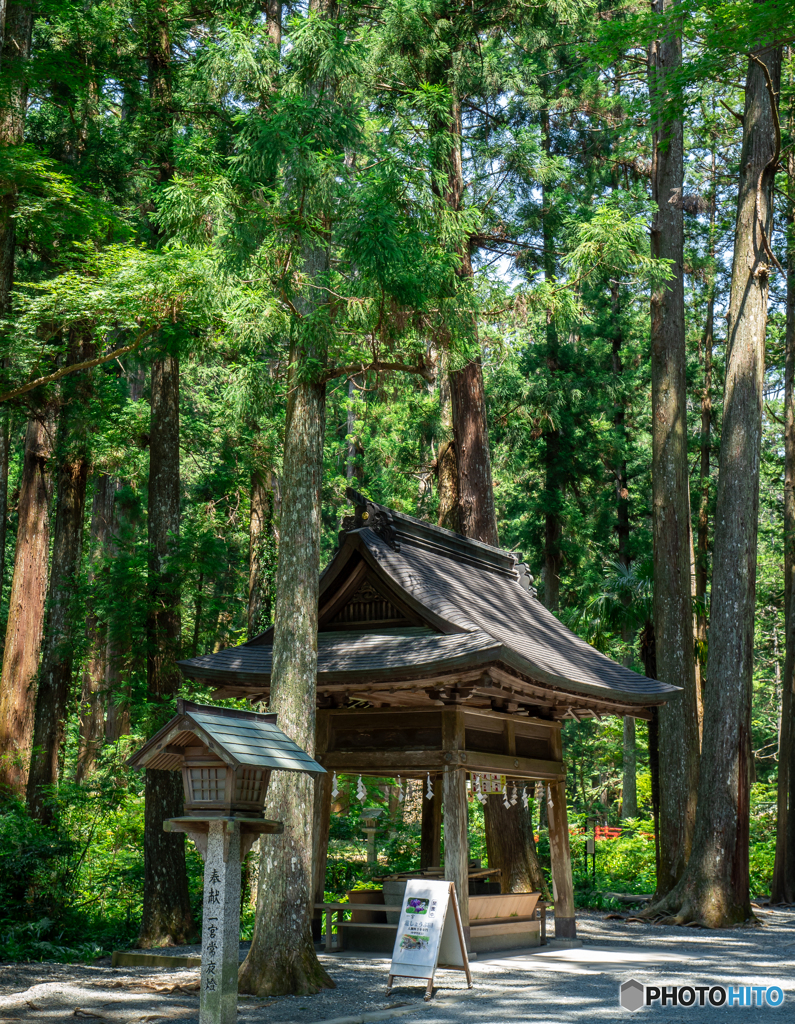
{"x": 556, "y": 986}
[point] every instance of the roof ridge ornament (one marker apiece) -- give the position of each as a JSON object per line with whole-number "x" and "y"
{"x": 368, "y": 514}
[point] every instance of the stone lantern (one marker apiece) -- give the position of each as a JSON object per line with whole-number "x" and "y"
{"x": 369, "y": 819}
{"x": 226, "y": 757}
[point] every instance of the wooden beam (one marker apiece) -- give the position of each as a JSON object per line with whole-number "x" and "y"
{"x": 516, "y": 767}
{"x": 456, "y": 840}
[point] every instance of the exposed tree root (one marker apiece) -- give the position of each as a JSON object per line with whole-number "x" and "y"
{"x": 299, "y": 974}
{"x": 693, "y": 905}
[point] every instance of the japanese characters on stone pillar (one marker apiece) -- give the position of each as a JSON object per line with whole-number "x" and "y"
{"x": 220, "y": 925}
{"x": 226, "y": 757}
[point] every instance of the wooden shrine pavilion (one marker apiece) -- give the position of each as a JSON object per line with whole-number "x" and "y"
{"x": 436, "y": 657}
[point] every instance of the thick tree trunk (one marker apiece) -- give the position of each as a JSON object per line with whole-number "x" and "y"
{"x": 511, "y": 846}
{"x": 473, "y": 462}
{"x": 714, "y": 889}
{"x": 26, "y": 605}
{"x": 673, "y": 614}
{"x": 55, "y": 676}
{"x": 95, "y": 671}
{"x": 167, "y": 917}
{"x": 282, "y": 957}
{"x": 783, "y": 886}
{"x": 447, "y": 484}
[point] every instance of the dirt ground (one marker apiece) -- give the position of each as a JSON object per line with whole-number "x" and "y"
{"x": 577, "y": 986}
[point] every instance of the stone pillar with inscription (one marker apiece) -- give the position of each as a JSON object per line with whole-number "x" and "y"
{"x": 221, "y": 924}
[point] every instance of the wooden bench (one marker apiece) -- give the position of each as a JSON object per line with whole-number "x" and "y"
{"x": 329, "y": 909}
{"x": 537, "y": 913}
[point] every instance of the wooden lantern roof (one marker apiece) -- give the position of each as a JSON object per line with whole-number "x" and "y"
{"x": 240, "y": 739}
{"x": 413, "y": 615}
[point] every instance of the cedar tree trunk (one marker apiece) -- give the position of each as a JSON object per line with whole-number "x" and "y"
{"x": 26, "y": 605}
{"x": 673, "y": 614}
{"x": 714, "y": 889}
{"x": 282, "y": 957}
{"x": 511, "y": 846}
{"x": 167, "y": 917}
{"x": 55, "y": 675}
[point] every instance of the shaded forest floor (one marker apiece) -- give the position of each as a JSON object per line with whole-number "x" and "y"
{"x": 563, "y": 986}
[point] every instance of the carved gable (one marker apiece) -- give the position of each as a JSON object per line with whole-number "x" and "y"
{"x": 367, "y": 606}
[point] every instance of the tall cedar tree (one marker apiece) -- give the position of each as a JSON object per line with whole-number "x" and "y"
{"x": 167, "y": 916}
{"x": 29, "y": 585}
{"x": 713, "y": 891}
{"x": 673, "y": 616}
{"x": 282, "y": 957}
{"x": 55, "y": 674}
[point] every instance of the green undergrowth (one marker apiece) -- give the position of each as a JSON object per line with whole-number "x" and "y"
{"x": 74, "y": 892}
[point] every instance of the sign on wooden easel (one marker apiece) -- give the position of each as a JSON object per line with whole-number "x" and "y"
{"x": 428, "y": 936}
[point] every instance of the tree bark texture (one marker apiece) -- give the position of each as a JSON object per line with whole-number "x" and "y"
{"x": 447, "y": 485}
{"x": 282, "y": 956}
{"x": 714, "y": 890}
{"x": 783, "y": 885}
{"x": 96, "y": 670}
{"x": 477, "y": 517}
{"x": 673, "y": 614}
{"x": 511, "y": 846}
{"x": 26, "y": 605}
{"x": 167, "y": 917}
{"x": 55, "y": 676}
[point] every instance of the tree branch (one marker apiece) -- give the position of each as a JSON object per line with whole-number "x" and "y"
{"x": 88, "y": 364}
{"x": 344, "y": 371}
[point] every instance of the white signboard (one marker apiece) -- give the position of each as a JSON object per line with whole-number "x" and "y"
{"x": 429, "y": 934}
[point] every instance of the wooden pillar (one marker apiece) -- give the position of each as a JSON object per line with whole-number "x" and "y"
{"x": 431, "y": 835}
{"x": 456, "y": 815}
{"x": 321, "y": 823}
{"x": 456, "y": 839}
{"x": 562, "y": 882}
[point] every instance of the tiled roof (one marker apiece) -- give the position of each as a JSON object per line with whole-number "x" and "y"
{"x": 237, "y": 737}
{"x": 477, "y": 597}
{"x": 350, "y": 654}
